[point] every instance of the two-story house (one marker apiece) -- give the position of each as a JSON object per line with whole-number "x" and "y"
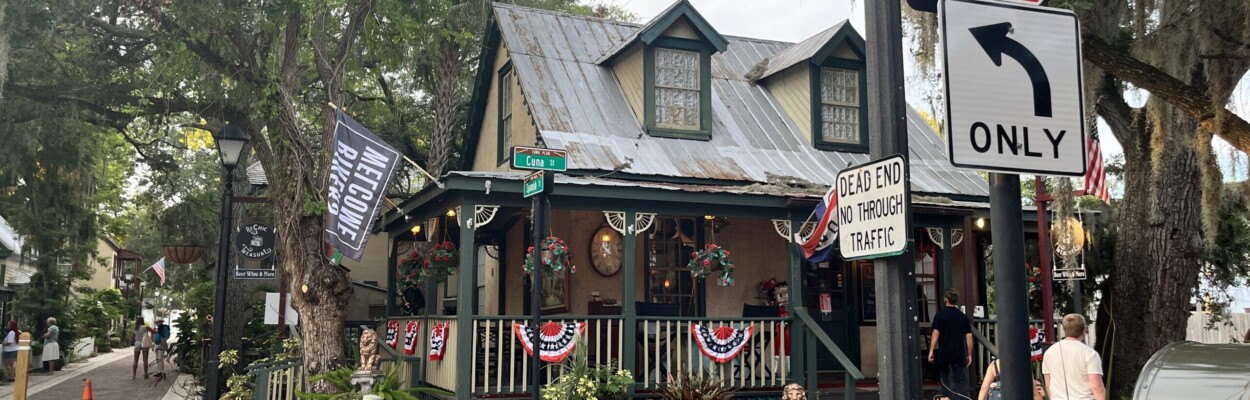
{"x": 677, "y": 137}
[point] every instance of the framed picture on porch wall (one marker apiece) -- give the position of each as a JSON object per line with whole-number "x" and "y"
{"x": 556, "y": 291}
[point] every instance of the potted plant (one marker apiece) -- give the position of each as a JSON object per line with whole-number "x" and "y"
{"x": 441, "y": 259}
{"x": 554, "y": 255}
{"x": 712, "y": 259}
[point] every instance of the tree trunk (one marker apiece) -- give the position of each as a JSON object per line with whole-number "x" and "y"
{"x": 446, "y": 100}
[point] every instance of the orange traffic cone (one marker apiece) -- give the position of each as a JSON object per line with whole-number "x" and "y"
{"x": 86, "y": 390}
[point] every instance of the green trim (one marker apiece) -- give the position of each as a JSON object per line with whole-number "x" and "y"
{"x": 814, "y": 71}
{"x": 705, "y": 88}
{"x": 502, "y": 154}
{"x": 466, "y": 306}
{"x": 948, "y": 260}
{"x": 655, "y": 30}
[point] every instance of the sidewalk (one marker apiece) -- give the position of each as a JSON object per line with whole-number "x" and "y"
{"x": 40, "y": 381}
{"x": 110, "y": 379}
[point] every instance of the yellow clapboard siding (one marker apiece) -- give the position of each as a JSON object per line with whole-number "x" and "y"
{"x": 628, "y": 71}
{"x": 792, "y": 88}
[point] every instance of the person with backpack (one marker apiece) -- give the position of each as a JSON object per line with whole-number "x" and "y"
{"x": 161, "y": 339}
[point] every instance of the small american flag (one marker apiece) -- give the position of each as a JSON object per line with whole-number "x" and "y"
{"x": 1095, "y": 174}
{"x": 159, "y": 267}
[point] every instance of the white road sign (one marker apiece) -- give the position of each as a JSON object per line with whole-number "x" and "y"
{"x": 872, "y": 209}
{"x": 1013, "y": 88}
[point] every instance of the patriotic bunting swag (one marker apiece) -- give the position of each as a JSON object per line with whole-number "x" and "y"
{"x": 1036, "y": 338}
{"x": 558, "y": 340}
{"x": 392, "y": 334}
{"x": 410, "y": 337}
{"x": 721, "y": 344}
{"x": 438, "y": 341}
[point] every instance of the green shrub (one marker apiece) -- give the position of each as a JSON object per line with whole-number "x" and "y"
{"x": 695, "y": 386}
{"x": 579, "y": 381}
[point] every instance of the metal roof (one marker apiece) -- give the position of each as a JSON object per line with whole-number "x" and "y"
{"x": 579, "y": 106}
{"x": 800, "y": 52}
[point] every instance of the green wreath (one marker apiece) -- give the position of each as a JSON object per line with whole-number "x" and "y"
{"x": 559, "y": 256}
{"x": 712, "y": 259}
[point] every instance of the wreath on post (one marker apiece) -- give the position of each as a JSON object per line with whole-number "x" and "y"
{"x": 555, "y": 256}
{"x": 712, "y": 259}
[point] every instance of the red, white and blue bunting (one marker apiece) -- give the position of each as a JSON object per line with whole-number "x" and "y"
{"x": 558, "y": 340}
{"x": 410, "y": 337}
{"x": 438, "y": 341}
{"x": 721, "y": 344}
{"x": 392, "y": 334}
{"x": 1036, "y": 337}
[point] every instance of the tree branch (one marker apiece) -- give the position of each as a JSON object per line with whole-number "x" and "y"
{"x": 1191, "y": 100}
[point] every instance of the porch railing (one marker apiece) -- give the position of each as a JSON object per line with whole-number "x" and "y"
{"x": 440, "y": 374}
{"x": 278, "y": 380}
{"x": 985, "y": 332}
{"x": 852, "y": 374}
{"x": 666, "y": 347}
{"x": 501, "y": 365}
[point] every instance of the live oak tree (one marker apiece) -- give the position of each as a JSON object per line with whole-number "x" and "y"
{"x": 1187, "y": 56}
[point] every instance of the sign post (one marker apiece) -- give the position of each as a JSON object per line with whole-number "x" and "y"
{"x": 537, "y": 185}
{"x": 895, "y": 286}
{"x": 1014, "y": 102}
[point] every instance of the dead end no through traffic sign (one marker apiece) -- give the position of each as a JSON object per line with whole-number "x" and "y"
{"x": 872, "y": 209}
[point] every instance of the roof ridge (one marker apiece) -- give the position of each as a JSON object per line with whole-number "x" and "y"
{"x": 562, "y": 14}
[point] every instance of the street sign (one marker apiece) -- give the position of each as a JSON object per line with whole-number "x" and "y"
{"x": 539, "y": 159}
{"x": 872, "y": 209}
{"x": 258, "y": 273}
{"x": 1069, "y": 274}
{"x": 534, "y": 184}
{"x": 1014, "y": 98}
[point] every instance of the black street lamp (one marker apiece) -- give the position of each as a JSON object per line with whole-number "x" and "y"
{"x": 231, "y": 145}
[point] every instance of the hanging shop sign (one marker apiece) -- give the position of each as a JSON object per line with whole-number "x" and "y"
{"x": 255, "y": 241}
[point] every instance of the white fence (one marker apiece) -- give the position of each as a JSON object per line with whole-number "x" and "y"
{"x": 1232, "y": 329}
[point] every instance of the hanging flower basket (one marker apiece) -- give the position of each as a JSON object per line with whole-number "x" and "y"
{"x": 712, "y": 259}
{"x": 554, "y": 254}
{"x": 442, "y": 259}
{"x": 412, "y": 270}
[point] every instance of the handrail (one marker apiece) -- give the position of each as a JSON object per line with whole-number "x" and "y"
{"x": 713, "y": 319}
{"x": 283, "y": 363}
{"x": 985, "y": 342}
{"x": 824, "y": 339}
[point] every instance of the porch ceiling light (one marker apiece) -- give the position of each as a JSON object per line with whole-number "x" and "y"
{"x": 709, "y": 217}
{"x": 451, "y": 212}
{"x": 980, "y": 223}
{"x": 416, "y": 229}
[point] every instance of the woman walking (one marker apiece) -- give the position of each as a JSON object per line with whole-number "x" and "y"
{"x": 143, "y": 342}
{"x": 51, "y": 348}
{"x": 10, "y": 350}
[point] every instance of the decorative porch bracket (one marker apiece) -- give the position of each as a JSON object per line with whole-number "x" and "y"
{"x": 482, "y": 215}
{"x": 783, "y": 228}
{"x": 642, "y": 222}
{"x": 935, "y": 234}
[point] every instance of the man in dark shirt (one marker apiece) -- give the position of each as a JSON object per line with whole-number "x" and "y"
{"x": 951, "y": 347}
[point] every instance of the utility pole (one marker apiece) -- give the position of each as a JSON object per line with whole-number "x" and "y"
{"x": 898, "y": 336}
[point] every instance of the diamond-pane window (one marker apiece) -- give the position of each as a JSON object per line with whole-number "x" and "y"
{"x": 839, "y": 105}
{"x": 677, "y": 89}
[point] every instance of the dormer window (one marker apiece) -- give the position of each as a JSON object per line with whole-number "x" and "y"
{"x": 677, "y": 103}
{"x": 839, "y": 121}
{"x": 839, "y": 106}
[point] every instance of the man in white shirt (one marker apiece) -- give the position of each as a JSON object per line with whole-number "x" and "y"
{"x": 1073, "y": 370}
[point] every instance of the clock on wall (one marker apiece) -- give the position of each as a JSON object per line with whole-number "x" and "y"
{"x": 607, "y": 251}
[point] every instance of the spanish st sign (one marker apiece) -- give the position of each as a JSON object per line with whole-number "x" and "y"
{"x": 533, "y": 184}
{"x": 539, "y": 159}
{"x": 1014, "y": 99}
{"x": 872, "y": 209}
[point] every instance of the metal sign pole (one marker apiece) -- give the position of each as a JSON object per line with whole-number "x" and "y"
{"x": 897, "y": 331}
{"x": 1010, "y": 293}
{"x": 536, "y": 291}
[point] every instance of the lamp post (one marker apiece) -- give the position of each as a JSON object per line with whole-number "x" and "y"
{"x": 231, "y": 145}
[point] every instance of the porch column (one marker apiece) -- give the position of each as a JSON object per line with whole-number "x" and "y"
{"x": 391, "y": 265}
{"x": 947, "y": 260}
{"x": 970, "y": 268}
{"x": 795, "y": 282}
{"x": 628, "y": 295}
{"x": 466, "y": 302}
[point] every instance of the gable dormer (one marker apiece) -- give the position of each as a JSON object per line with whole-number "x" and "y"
{"x": 665, "y": 70}
{"x": 821, "y": 84}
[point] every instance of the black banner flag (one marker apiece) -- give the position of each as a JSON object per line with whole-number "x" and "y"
{"x": 360, "y": 171}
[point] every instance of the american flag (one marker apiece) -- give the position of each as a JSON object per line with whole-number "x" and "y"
{"x": 1095, "y": 174}
{"x": 159, "y": 267}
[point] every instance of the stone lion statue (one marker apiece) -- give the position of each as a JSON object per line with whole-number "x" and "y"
{"x": 793, "y": 391}
{"x": 368, "y": 350}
